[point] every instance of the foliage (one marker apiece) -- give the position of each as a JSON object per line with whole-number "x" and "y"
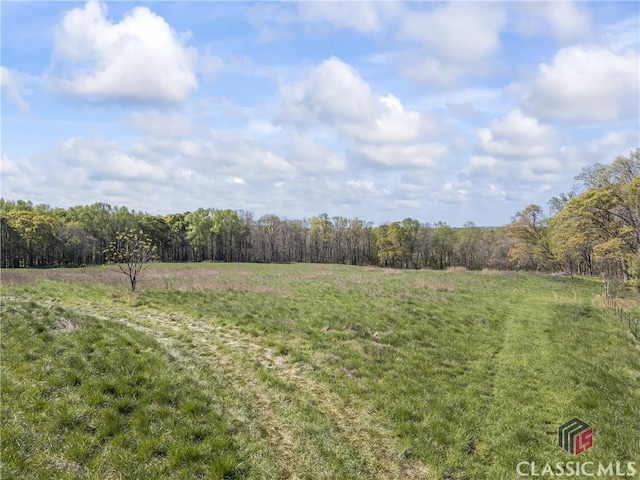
{"x": 131, "y": 252}
{"x": 530, "y": 232}
{"x": 601, "y": 225}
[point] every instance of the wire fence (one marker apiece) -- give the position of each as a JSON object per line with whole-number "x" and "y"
{"x": 625, "y": 316}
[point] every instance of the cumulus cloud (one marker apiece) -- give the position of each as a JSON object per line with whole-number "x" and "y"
{"x": 420, "y": 155}
{"x": 517, "y": 152}
{"x": 311, "y": 157}
{"x": 335, "y": 94}
{"x": 603, "y": 149}
{"x": 518, "y": 135}
{"x": 462, "y": 32}
{"x": 459, "y": 39}
{"x": 587, "y": 83}
{"x": 101, "y": 160}
{"x": 13, "y": 85}
{"x": 8, "y": 168}
{"x": 141, "y": 58}
{"x": 332, "y": 91}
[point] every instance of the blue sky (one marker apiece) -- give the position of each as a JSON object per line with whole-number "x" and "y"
{"x": 460, "y": 111}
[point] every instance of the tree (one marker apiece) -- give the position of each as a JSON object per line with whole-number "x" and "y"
{"x": 230, "y": 234}
{"x": 131, "y": 251}
{"x": 602, "y": 224}
{"x": 37, "y": 236}
{"x": 199, "y": 225}
{"x": 444, "y": 240}
{"x": 390, "y": 245}
{"x": 467, "y": 246}
{"x": 530, "y": 234}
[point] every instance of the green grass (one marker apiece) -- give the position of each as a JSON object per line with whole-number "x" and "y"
{"x": 87, "y": 398}
{"x": 308, "y": 371}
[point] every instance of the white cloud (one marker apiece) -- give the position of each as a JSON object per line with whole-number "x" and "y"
{"x": 622, "y": 35}
{"x": 359, "y": 16}
{"x": 460, "y": 32}
{"x": 335, "y": 94}
{"x": 311, "y": 157}
{"x": 422, "y": 155}
{"x": 165, "y": 125}
{"x": 209, "y": 65}
{"x": 100, "y": 160}
{"x": 7, "y": 167}
{"x": 458, "y": 38}
{"x": 518, "y": 135}
{"x": 563, "y": 20}
{"x": 141, "y": 58}
{"x": 587, "y": 83}
{"x": 517, "y": 150}
{"x": 235, "y": 180}
{"x": 13, "y": 85}
{"x": 333, "y": 91}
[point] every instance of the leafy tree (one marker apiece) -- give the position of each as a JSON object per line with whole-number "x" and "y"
{"x": 389, "y": 243}
{"x": 131, "y": 252}
{"x": 178, "y": 237}
{"x": 230, "y": 233}
{"x": 444, "y": 239}
{"x": 199, "y": 233}
{"x": 321, "y": 230}
{"x": 531, "y": 241}
{"x": 603, "y": 222}
{"x": 37, "y": 236}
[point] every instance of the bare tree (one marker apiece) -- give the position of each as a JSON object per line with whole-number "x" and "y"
{"x": 131, "y": 252}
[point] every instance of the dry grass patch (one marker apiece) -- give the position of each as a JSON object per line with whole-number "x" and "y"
{"x": 599, "y": 300}
{"x": 392, "y": 271}
{"x": 492, "y": 271}
{"x": 457, "y": 269}
{"x": 434, "y": 284}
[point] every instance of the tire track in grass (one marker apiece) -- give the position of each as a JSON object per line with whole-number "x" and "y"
{"x": 373, "y": 443}
{"x": 263, "y": 451}
{"x": 280, "y": 392}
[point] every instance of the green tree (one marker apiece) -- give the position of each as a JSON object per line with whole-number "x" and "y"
{"x": 321, "y": 230}
{"x": 444, "y": 241}
{"x": 531, "y": 239}
{"x": 391, "y": 244}
{"x": 230, "y": 234}
{"x": 37, "y": 236}
{"x": 199, "y": 225}
{"x": 602, "y": 224}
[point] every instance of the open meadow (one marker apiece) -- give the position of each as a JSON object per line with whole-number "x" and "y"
{"x": 308, "y": 371}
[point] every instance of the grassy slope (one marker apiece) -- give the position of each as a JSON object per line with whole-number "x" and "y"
{"x": 344, "y": 372}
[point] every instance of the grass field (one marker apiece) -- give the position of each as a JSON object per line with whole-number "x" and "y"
{"x": 308, "y": 371}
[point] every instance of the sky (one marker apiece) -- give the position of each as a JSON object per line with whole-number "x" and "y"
{"x": 454, "y": 112}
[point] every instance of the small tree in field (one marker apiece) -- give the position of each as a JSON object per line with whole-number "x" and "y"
{"x": 131, "y": 251}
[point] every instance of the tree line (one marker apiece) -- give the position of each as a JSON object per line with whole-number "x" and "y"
{"x": 594, "y": 229}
